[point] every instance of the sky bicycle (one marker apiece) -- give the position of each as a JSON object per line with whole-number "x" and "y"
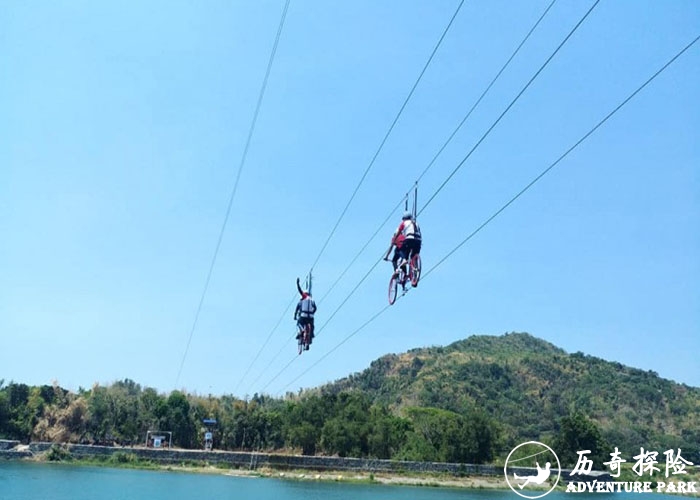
{"x": 402, "y": 276}
{"x": 304, "y": 335}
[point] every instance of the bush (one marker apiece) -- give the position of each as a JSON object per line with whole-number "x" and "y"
{"x": 58, "y": 453}
{"x": 121, "y": 457}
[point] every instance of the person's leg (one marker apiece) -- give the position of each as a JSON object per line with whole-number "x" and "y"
{"x": 408, "y": 248}
{"x": 414, "y": 249}
{"x": 395, "y": 258}
{"x": 403, "y": 254}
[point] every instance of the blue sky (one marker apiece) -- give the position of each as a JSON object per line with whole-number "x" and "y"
{"x": 122, "y": 126}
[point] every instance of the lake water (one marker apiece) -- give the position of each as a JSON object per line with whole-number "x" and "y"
{"x": 28, "y": 481}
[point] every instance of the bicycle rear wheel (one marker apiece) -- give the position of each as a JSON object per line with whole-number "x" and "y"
{"x": 415, "y": 269}
{"x": 393, "y": 289}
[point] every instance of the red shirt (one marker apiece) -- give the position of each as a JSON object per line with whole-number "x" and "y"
{"x": 399, "y": 236}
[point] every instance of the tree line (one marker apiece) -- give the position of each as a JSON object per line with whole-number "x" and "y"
{"x": 343, "y": 424}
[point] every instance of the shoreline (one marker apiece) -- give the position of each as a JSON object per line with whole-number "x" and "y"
{"x": 395, "y": 479}
{"x": 416, "y": 479}
{"x": 284, "y": 467}
{"x": 267, "y": 463}
{"x": 467, "y": 482}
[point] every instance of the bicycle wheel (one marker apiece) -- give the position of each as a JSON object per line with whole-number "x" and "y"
{"x": 393, "y": 289}
{"x": 307, "y": 336}
{"x": 415, "y": 270}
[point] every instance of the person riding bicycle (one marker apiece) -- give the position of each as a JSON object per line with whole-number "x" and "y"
{"x": 406, "y": 241}
{"x": 304, "y": 313}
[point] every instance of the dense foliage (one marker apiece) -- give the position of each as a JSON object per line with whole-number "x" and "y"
{"x": 468, "y": 402}
{"x": 536, "y": 391}
{"x": 344, "y": 424}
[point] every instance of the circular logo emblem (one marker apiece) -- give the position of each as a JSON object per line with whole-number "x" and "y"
{"x": 529, "y": 468}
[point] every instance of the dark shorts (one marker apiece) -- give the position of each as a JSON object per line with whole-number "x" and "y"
{"x": 410, "y": 246}
{"x": 305, "y": 321}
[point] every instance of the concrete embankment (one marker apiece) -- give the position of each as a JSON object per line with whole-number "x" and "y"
{"x": 248, "y": 460}
{"x": 13, "y": 450}
{"x": 6, "y": 444}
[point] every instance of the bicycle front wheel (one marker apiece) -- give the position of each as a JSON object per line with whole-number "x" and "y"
{"x": 393, "y": 289}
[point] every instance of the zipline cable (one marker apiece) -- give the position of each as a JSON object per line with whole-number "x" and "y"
{"x": 279, "y": 373}
{"x": 388, "y": 132}
{"x": 262, "y": 347}
{"x": 486, "y": 91}
{"x": 381, "y": 146}
{"x": 357, "y": 255}
{"x": 269, "y": 364}
{"x": 235, "y": 187}
{"x": 329, "y": 319}
{"x": 350, "y": 294}
{"x": 510, "y": 202}
{"x": 255, "y": 358}
{"x": 446, "y": 143}
{"x": 337, "y": 346}
{"x": 564, "y": 155}
{"x": 269, "y": 336}
{"x": 522, "y": 91}
{"x": 477, "y": 145}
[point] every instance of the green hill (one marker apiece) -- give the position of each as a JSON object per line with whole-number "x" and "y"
{"x": 528, "y": 385}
